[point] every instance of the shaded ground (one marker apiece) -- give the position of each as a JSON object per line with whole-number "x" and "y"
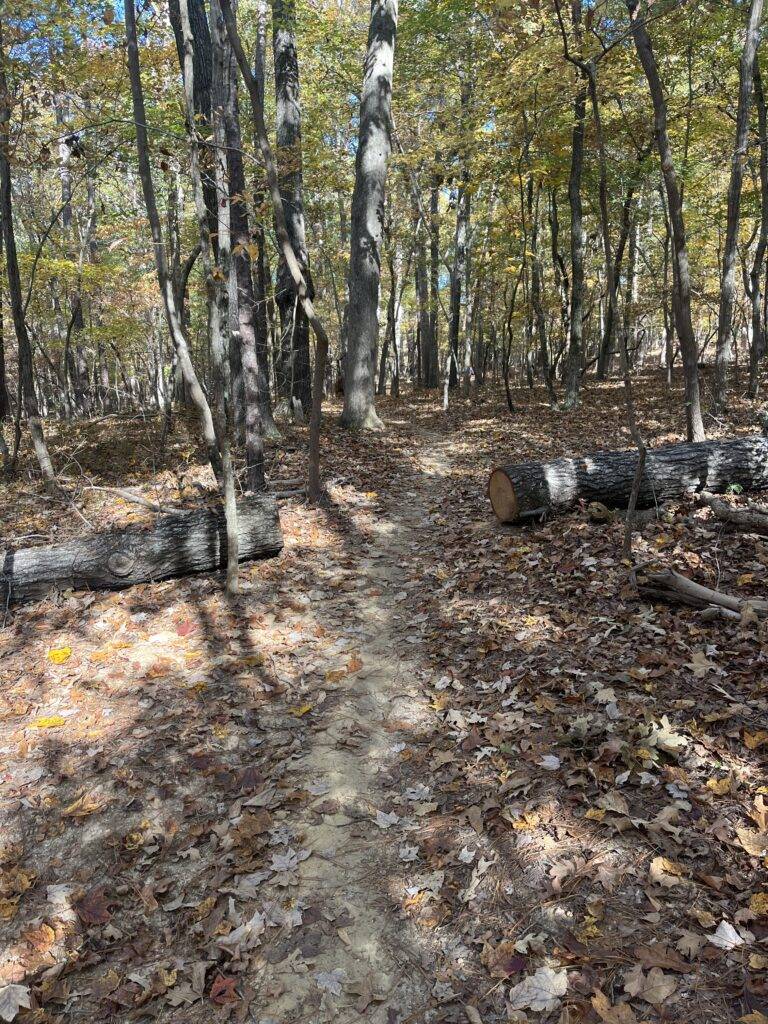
{"x": 425, "y": 769}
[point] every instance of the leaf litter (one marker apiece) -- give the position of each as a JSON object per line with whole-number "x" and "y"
{"x": 426, "y": 766}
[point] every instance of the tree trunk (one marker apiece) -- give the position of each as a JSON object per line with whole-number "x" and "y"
{"x": 294, "y": 375}
{"x": 26, "y": 379}
{"x": 257, "y": 408}
{"x": 728, "y": 279}
{"x": 757, "y": 273}
{"x": 5, "y": 401}
{"x": 367, "y": 217}
{"x": 262, "y": 277}
{"x": 164, "y": 280}
{"x": 607, "y": 477}
{"x": 431, "y": 371}
{"x": 202, "y": 69}
{"x": 281, "y": 230}
{"x": 680, "y": 268}
{"x": 572, "y": 374}
{"x": 177, "y": 545}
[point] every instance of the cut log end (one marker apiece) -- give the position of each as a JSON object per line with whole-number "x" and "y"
{"x": 503, "y": 498}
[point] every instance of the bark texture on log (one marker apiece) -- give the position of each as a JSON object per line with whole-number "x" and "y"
{"x": 670, "y": 472}
{"x": 177, "y": 545}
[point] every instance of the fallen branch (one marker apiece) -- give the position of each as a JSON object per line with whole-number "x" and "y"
{"x": 753, "y": 519}
{"x": 669, "y": 585}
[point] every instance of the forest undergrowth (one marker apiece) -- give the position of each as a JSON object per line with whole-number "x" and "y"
{"x": 423, "y": 768}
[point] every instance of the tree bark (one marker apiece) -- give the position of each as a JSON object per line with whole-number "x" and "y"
{"x": 294, "y": 374}
{"x": 257, "y": 407}
{"x": 281, "y": 230}
{"x": 177, "y": 545}
{"x": 728, "y": 279}
{"x": 670, "y": 472}
{"x": 26, "y": 378}
{"x": 432, "y": 366}
{"x": 680, "y": 266}
{"x": 367, "y": 217}
{"x": 757, "y": 273}
{"x": 572, "y": 374}
{"x": 161, "y": 263}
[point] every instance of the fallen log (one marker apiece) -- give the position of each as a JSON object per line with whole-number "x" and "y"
{"x": 529, "y": 488}
{"x": 176, "y": 545}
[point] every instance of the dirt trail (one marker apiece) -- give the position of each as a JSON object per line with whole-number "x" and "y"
{"x": 363, "y": 956}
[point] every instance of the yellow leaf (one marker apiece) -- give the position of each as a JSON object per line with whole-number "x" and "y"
{"x": 720, "y": 787}
{"x": 301, "y": 711}
{"x": 595, "y": 814}
{"x": 48, "y": 722}
{"x": 753, "y": 740}
{"x": 753, "y": 1018}
{"x": 58, "y": 655}
{"x": 82, "y": 806}
{"x": 253, "y": 660}
{"x": 8, "y": 909}
{"x": 758, "y": 904}
{"x": 746, "y": 577}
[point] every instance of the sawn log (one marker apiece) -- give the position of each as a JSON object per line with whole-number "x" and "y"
{"x": 524, "y": 489}
{"x": 176, "y": 545}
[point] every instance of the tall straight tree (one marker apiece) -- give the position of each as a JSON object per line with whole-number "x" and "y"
{"x": 681, "y": 275}
{"x": 196, "y": 393}
{"x": 432, "y": 369}
{"x": 572, "y": 372}
{"x": 459, "y": 278}
{"x": 26, "y": 369}
{"x": 5, "y": 402}
{"x": 294, "y": 371}
{"x": 757, "y": 273}
{"x": 373, "y": 149}
{"x": 728, "y": 280}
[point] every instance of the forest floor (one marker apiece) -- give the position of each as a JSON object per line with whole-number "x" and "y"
{"x": 424, "y": 768}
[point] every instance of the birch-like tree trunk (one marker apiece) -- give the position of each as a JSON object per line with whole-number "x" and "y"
{"x": 367, "y": 217}
{"x": 757, "y": 273}
{"x": 196, "y": 393}
{"x": 294, "y": 371}
{"x": 254, "y": 370}
{"x": 432, "y": 370}
{"x": 680, "y": 267}
{"x": 738, "y": 160}
{"x": 572, "y": 374}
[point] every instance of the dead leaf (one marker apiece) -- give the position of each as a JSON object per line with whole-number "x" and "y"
{"x": 655, "y": 987}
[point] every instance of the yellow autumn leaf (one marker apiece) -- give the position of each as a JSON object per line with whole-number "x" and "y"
{"x": 720, "y": 787}
{"x": 753, "y": 1018}
{"x": 58, "y": 655}
{"x": 82, "y": 806}
{"x": 595, "y": 814}
{"x": 746, "y": 577}
{"x": 753, "y": 740}
{"x": 301, "y": 711}
{"x": 758, "y": 904}
{"x": 8, "y": 909}
{"x": 253, "y": 660}
{"x": 48, "y": 722}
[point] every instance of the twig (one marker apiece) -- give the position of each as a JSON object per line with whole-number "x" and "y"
{"x": 137, "y": 499}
